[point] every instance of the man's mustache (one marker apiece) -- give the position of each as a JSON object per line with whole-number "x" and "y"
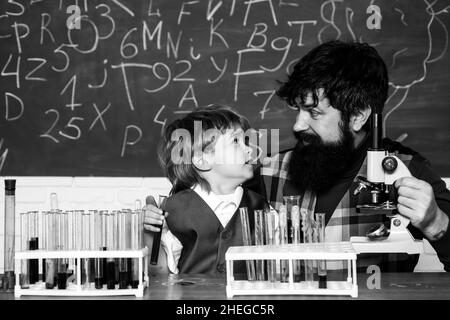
{"x": 307, "y": 137}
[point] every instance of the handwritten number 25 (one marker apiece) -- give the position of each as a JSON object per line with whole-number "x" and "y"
{"x": 70, "y": 125}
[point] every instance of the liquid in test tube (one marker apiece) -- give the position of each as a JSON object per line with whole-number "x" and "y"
{"x": 33, "y": 245}
{"x": 157, "y": 235}
{"x": 61, "y": 231}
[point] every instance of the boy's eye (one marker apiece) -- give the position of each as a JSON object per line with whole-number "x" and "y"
{"x": 236, "y": 140}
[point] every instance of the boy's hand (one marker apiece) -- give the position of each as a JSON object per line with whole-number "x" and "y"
{"x": 153, "y": 216}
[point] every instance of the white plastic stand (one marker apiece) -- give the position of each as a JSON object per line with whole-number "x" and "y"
{"x": 77, "y": 289}
{"x": 291, "y": 252}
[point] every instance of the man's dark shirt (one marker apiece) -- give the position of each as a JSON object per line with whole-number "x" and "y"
{"x": 420, "y": 168}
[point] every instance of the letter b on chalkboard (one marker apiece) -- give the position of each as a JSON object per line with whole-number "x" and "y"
{"x": 74, "y": 20}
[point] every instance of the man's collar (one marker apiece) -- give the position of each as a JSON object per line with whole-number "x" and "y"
{"x": 214, "y": 201}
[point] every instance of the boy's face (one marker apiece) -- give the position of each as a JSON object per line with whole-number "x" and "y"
{"x": 232, "y": 157}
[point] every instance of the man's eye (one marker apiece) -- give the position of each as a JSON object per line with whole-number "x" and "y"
{"x": 314, "y": 114}
{"x": 236, "y": 140}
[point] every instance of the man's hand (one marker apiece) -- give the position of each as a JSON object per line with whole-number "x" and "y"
{"x": 416, "y": 201}
{"x": 152, "y": 215}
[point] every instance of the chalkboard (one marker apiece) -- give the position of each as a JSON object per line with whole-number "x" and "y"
{"x": 87, "y": 86}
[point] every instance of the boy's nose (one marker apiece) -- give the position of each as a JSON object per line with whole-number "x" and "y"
{"x": 302, "y": 121}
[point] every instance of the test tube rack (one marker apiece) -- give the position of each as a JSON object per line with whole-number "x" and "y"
{"x": 343, "y": 251}
{"x": 77, "y": 289}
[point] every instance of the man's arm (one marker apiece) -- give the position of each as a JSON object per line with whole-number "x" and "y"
{"x": 425, "y": 200}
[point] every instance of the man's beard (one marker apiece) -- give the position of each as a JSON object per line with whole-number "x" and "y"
{"x": 316, "y": 165}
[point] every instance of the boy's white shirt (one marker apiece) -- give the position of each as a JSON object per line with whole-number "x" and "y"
{"x": 224, "y": 207}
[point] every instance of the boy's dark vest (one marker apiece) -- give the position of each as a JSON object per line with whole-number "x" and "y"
{"x": 203, "y": 237}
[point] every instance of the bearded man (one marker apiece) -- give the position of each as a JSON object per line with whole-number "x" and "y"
{"x": 336, "y": 88}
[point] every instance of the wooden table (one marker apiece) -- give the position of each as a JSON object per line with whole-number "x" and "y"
{"x": 408, "y": 286}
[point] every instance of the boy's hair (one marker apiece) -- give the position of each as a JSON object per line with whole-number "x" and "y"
{"x": 353, "y": 76}
{"x": 183, "y": 174}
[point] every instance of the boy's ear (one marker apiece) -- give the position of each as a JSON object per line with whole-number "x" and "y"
{"x": 202, "y": 162}
{"x": 358, "y": 120}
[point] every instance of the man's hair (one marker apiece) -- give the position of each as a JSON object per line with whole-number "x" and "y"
{"x": 353, "y": 76}
{"x": 183, "y": 174}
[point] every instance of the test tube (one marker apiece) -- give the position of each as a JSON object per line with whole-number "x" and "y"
{"x": 122, "y": 237}
{"x": 71, "y": 227}
{"x": 41, "y": 235}
{"x": 9, "y": 237}
{"x": 259, "y": 241}
{"x": 270, "y": 231}
{"x": 307, "y": 226}
{"x": 283, "y": 240}
{"x": 86, "y": 245}
{"x": 290, "y": 202}
{"x": 246, "y": 237}
{"x": 61, "y": 231}
{"x": 24, "y": 280}
{"x": 98, "y": 246}
{"x": 43, "y": 244}
{"x": 111, "y": 265}
{"x": 135, "y": 237}
{"x": 78, "y": 240}
{"x": 157, "y": 235}
{"x": 295, "y": 216}
{"x": 50, "y": 271}
{"x": 104, "y": 216}
{"x": 51, "y": 264}
{"x": 321, "y": 264}
{"x": 92, "y": 246}
{"x": 33, "y": 245}
{"x": 115, "y": 214}
{"x": 135, "y": 245}
{"x": 128, "y": 243}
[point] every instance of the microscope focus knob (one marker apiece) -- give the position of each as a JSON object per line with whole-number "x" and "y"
{"x": 389, "y": 164}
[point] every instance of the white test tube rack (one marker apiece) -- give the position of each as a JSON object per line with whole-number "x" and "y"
{"x": 77, "y": 289}
{"x": 304, "y": 251}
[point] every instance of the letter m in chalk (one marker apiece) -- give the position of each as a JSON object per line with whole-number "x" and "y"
{"x": 374, "y": 20}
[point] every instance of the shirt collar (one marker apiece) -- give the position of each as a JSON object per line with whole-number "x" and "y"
{"x": 214, "y": 201}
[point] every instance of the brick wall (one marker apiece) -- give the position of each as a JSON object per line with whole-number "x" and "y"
{"x": 85, "y": 193}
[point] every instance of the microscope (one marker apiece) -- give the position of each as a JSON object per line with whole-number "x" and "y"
{"x": 383, "y": 169}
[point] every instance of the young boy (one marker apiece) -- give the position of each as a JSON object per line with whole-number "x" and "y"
{"x": 205, "y": 157}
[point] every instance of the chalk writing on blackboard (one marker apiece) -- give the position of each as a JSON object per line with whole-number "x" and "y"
{"x": 87, "y": 86}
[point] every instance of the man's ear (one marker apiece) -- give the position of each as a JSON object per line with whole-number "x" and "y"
{"x": 202, "y": 162}
{"x": 358, "y": 120}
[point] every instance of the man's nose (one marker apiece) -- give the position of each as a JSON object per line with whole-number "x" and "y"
{"x": 302, "y": 121}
